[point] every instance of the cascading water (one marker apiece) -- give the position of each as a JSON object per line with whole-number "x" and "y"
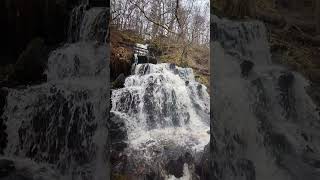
{"x": 62, "y": 124}
{"x": 265, "y": 126}
{"x": 166, "y": 116}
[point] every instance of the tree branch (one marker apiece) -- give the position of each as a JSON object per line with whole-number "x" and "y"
{"x": 151, "y": 20}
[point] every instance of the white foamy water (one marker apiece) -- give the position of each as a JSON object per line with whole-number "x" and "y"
{"x": 163, "y": 104}
{"x": 265, "y": 114}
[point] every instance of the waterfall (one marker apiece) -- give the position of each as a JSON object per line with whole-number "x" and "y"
{"x": 265, "y": 126}
{"x": 165, "y": 112}
{"x": 88, "y": 24}
{"x": 62, "y": 124}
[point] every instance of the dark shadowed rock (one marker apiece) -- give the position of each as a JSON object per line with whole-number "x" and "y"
{"x": 3, "y": 134}
{"x": 25, "y": 20}
{"x": 99, "y": 3}
{"x": 314, "y": 92}
{"x": 175, "y": 167}
{"x": 31, "y": 64}
{"x": 6, "y": 167}
{"x": 285, "y": 80}
{"x": 119, "y": 82}
{"x": 172, "y": 66}
{"x": 246, "y": 66}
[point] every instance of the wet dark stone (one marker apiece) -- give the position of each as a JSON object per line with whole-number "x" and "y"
{"x": 175, "y": 167}
{"x": 119, "y": 146}
{"x": 151, "y": 176}
{"x": 285, "y": 81}
{"x": 287, "y": 98}
{"x": 172, "y": 66}
{"x": 3, "y": 127}
{"x": 152, "y": 60}
{"x": 76, "y": 65}
{"x": 279, "y": 144}
{"x": 246, "y": 66}
{"x": 142, "y": 59}
{"x": 199, "y": 87}
{"x": 316, "y": 163}
{"x": 314, "y": 92}
{"x": 31, "y": 63}
{"x": 246, "y": 169}
{"x": 3, "y": 99}
{"x": 305, "y": 137}
{"x": 6, "y": 167}
{"x": 119, "y": 82}
{"x": 99, "y": 3}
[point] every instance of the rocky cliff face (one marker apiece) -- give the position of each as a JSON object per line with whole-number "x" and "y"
{"x": 58, "y": 128}
{"x": 21, "y": 21}
{"x": 263, "y": 124}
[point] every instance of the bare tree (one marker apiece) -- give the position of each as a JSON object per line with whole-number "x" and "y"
{"x": 180, "y": 20}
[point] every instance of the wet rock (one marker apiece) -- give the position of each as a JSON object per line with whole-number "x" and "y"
{"x": 247, "y": 169}
{"x": 152, "y": 60}
{"x": 314, "y": 92}
{"x": 314, "y": 75}
{"x": 117, "y": 133}
{"x": 142, "y": 59}
{"x": 172, "y": 66}
{"x": 175, "y": 167}
{"x": 3, "y": 97}
{"x": 6, "y": 167}
{"x": 246, "y": 66}
{"x": 287, "y": 99}
{"x": 99, "y": 3}
{"x": 3, "y": 134}
{"x": 119, "y": 82}
{"x": 285, "y": 80}
{"x": 31, "y": 64}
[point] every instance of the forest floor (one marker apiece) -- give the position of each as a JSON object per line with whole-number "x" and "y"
{"x": 167, "y": 50}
